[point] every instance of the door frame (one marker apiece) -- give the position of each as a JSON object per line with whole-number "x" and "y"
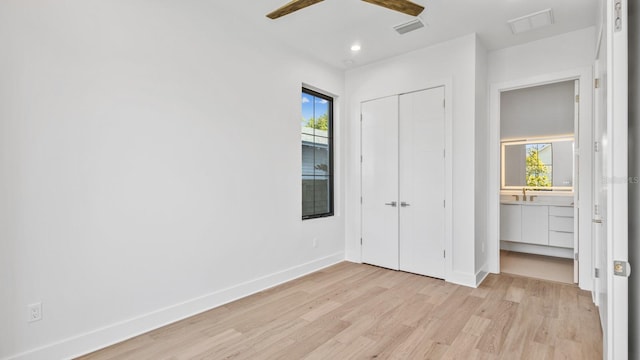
{"x": 447, "y": 83}
{"x": 584, "y": 138}
{"x": 616, "y": 342}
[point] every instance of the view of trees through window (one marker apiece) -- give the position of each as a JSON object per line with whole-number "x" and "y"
{"x": 539, "y": 164}
{"x": 317, "y": 141}
{"x": 321, "y": 123}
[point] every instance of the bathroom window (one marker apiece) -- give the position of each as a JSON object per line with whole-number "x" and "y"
{"x": 539, "y": 165}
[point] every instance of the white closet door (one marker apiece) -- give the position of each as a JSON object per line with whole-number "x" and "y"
{"x": 380, "y": 182}
{"x": 422, "y": 187}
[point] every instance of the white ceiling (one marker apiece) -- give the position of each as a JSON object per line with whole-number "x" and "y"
{"x": 327, "y": 30}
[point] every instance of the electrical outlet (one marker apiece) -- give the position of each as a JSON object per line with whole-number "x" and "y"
{"x": 35, "y": 312}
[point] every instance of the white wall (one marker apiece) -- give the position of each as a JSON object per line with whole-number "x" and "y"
{"x": 537, "y": 111}
{"x": 481, "y": 162}
{"x": 563, "y": 52}
{"x": 567, "y": 55}
{"x": 449, "y": 61}
{"x": 149, "y": 168}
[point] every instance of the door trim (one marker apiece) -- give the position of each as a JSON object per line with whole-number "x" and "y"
{"x": 616, "y": 338}
{"x": 585, "y": 138}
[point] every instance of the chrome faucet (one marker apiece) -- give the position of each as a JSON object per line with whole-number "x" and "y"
{"x": 524, "y": 194}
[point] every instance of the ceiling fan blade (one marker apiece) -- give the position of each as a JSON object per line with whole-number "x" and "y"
{"x": 403, "y": 6}
{"x": 294, "y": 5}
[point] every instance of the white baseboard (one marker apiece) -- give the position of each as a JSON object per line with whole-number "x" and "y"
{"x": 460, "y": 278}
{"x": 566, "y": 253}
{"x": 114, "y": 333}
{"x": 481, "y": 275}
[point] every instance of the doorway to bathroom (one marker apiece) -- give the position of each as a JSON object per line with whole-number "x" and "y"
{"x": 537, "y": 128}
{"x": 538, "y": 232}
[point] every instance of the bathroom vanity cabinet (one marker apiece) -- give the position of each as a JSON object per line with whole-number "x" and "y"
{"x": 537, "y": 228}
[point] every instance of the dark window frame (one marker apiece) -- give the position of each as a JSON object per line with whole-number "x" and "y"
{"x": 330, "y": 100}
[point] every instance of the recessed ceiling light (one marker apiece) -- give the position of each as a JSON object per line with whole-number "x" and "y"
{"x": 355, "y": 47}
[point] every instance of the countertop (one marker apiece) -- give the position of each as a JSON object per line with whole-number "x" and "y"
{"x": 535, "y": 203}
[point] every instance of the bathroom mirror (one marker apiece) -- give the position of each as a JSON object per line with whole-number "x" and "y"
{"x": 545, "y": 164}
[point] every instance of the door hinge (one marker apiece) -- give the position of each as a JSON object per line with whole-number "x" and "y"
{"x": 444, "y": 203}
{"x": 617, "y": 8}
{"x": 360, "y": 158}
{"x": 360, "y": 116}
{"x": 360, "y": 199}
{"x": 596, "y": 273}
{"x": 360, "y": 241}
{"x": 621, "y": 268}
{"x": 444, "y": 153}
{"x": 577, "y": 98}
{"x": 596, "y": 146}
{"x": 596, "y": 210}
{"x": 596, "y": 83}
{"x": 444, "y": 254}
{"x": 575, "y": 256}
{"x": 444, "y": 103}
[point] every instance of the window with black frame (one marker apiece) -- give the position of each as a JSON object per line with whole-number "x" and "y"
{"x": 317, "y": 154}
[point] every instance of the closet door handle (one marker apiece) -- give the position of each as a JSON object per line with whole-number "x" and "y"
{"x": 404, "y": 204}
{"x": 392, "y": 204}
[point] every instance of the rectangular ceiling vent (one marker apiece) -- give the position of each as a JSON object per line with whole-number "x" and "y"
{"x": 414, "y": 24}
{"x": 532, "y": 21}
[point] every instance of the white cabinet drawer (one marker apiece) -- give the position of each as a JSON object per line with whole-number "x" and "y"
{"x": 559, "y": 223}
{"x": 561, "y": 239}
{"x": 561, "y": 210}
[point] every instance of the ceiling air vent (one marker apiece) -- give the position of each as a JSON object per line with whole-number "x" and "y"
{"x": 414, "y": 24}
{"x": 532, "y": 21}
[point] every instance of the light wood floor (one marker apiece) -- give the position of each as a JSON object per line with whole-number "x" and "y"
{"x": 364, "y": 312}
{"x": 537, "y": 266}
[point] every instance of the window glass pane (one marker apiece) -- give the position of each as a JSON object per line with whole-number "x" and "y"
{"x": 321, "y": 117}
{"x": 549, "y": 174}
{"x": 308, "y": 102}
{"x": 308, "y": 156}
{"x": 321, "y": 157}
{"x": 308, "y": 208}
{"x": 322, "y": 195}
{"x": 538, "y": 165}
{"x": 545, "y": 153}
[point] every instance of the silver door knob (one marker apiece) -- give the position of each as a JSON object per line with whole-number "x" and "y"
{"x": 404, "y": 204}
{"x": 392, "y": 204}
{"x": 597, "y": 221}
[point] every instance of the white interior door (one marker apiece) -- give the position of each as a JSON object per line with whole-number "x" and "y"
{"x": 422, "y": 187}
{"x": 616, "y": 167}
{"x": 379, "y": 131}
